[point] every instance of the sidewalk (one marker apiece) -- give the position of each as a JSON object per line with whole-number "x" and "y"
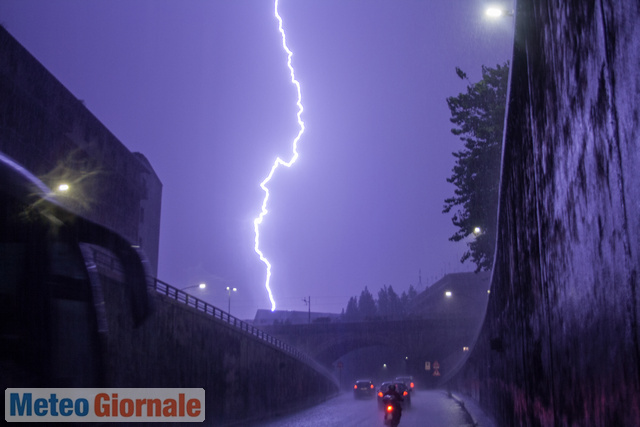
{"x": 479, "y": 417}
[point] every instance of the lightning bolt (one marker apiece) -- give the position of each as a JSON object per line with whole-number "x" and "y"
{"x": 278, "y": 162}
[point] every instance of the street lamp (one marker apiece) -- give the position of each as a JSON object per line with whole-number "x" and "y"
{"x": 497, "y": 12}
{"x": 201, "y": 286}
{"x": 229, "y": 292}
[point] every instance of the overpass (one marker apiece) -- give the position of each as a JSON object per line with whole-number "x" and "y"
{"x": 411, "y": 341}
{"x": 426, "y": 339}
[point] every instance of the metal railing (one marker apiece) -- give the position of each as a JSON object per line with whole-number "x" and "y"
{"x": 182, "y": 297}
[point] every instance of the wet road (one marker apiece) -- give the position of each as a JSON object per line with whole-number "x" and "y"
{"x": 430, "y": 408}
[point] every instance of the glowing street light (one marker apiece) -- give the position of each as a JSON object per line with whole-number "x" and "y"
{"x": 497, "y": 12}
{"x": 229, "y": 292}
{"x": 201, "y": 286}
{"x": 63, "y": 188}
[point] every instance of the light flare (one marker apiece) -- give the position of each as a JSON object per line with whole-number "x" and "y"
{"x": 278, "y": 162}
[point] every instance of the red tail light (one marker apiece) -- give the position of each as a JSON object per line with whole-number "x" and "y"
{"x": 355, "y": 386}
{"x": 380, "y": 393}
{"x": 389, "y": 408}
{"x": 371, "y": 385}
{"x": 404, "y": 393}
{"x": 411, "y": 385}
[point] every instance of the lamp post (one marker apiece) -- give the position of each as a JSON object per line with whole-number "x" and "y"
{"x": 200, "y": 286}
{"x": 229, "y": 289}
{"x": 308, "y": 302}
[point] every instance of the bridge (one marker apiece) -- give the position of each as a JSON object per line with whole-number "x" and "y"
{"x": 327, "y": 342}
{"x": 402, "y": 346}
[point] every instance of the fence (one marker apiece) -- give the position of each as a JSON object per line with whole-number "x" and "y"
{"x": 176, "y": 294}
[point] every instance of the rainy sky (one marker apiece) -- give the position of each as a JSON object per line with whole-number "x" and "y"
{"x": 202, "y": 89}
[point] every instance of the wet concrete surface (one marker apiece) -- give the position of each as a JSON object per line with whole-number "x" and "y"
{"x": 429, "y": 408}
{"x": 561, "y": 344}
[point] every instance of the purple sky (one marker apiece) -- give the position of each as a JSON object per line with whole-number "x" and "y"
{"x": 202, "y": 89}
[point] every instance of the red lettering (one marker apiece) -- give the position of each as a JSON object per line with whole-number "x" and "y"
{"x": 193, "y": 407}
{"x": 154, "y": 404}
{"x": 170, "y": 409}
{"x": 114, "y": 404}
{"x": 126, "y": 407}
{"x": 139, "y": 404}
{"x": 102, "y": 410}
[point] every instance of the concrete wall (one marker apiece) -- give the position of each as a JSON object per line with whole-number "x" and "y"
{"x": 244, "y": 378}
{"x": 46, "y": 129}
{"x": 560, "y": 345}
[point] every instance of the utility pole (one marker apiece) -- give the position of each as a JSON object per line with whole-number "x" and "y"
{"x": 308, "y": 302}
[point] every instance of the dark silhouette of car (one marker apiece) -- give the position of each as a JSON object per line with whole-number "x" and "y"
{"x": 363, "y": 389}
{"x": 408, "y": 380}
{"x": 400, "y": 388}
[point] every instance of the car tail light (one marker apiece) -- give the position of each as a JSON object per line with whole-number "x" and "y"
{"x": 355, "y": 386}
{"x": 371, "y": 385}
{"x": 404, "y": 393}
{"x": 380, "y": 394}
{"x": 411, "y": 385}
{"x": 389, "y": 408}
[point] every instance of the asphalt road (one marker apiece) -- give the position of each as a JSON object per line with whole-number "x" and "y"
{"x": 430, "y": 408}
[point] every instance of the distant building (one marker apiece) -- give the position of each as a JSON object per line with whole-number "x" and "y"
{"x": 281, "y": 317}
{"x": 48, "y": 131}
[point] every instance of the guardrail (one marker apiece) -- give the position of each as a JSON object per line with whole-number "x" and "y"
{"x": 180, "y": 296}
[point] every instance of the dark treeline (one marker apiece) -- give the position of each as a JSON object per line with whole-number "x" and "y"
{"x": 388, "y": 306}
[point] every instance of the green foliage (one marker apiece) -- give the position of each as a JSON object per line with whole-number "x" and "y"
{"x": 479, "y": 118}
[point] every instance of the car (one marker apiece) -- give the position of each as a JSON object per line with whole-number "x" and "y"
{"x": 400, "y": 388}
{"x": 408, "y": 380}
{"x": 363, "y": 389}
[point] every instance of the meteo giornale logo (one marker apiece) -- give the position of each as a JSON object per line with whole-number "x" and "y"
{"x": 104, "y": 405}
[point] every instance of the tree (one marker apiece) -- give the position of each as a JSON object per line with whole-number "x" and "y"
{"x": 406, "y": 298}
{"x": 479, "y": 116}
{"x": 384, "y": 309}
{"x": 367, "y": 305}
{"x": 412, "y": 294}
{"x": 394, "y": 304}
{"x": 352, "y": 314}
{"x": 389, "y": 304}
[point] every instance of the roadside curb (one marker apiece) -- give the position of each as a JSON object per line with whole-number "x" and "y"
{"x": 475, "y": 413}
